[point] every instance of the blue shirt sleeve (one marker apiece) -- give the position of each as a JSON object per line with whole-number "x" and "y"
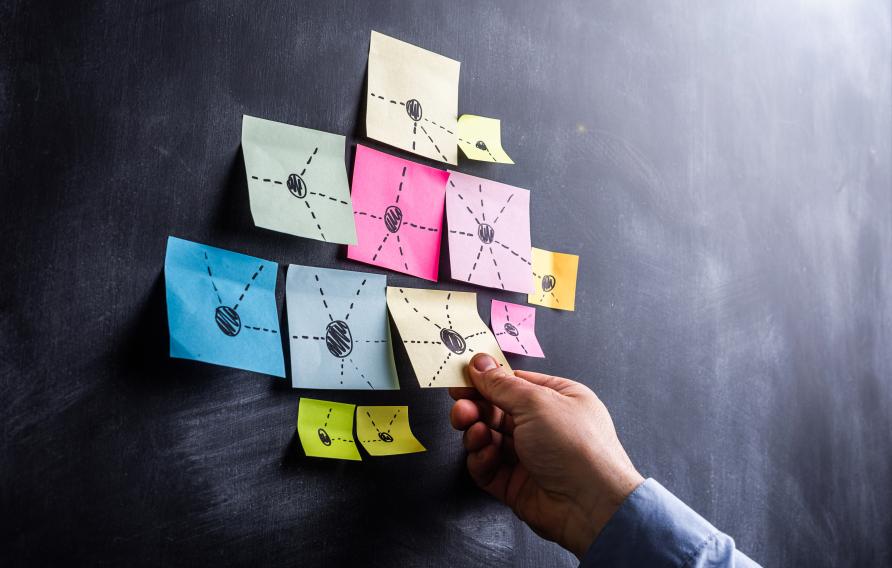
{"x": 654, "y": 528}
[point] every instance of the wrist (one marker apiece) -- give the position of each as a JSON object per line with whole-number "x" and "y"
{"x": 595, "y": 509}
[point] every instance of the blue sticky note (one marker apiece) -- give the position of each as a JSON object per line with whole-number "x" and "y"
{"x": 221, "y": 307}
{"x": 340, "y": 335}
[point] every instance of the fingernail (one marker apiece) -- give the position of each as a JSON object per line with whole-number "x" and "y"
{"x": 484, "y": 363}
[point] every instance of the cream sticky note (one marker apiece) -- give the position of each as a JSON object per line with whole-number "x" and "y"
{"x": 326, "y": 429}
{"x": 412, "y": 98}
{"x": 480, "y": 138}
{"x": 297, "y": 180}
{"x": 554, "y": 279}
{"x": 441, "y": 331}
{"x": 385, "y": 431}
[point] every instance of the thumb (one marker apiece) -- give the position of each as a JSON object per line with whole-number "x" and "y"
{"x": 498, "y": 385}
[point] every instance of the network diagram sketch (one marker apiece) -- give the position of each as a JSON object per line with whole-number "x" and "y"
{"x": 399, "y": 213}
{"x": 441, "y": 330}
{"x": 385, "y": 430}
{"x": 325, "y": 429}
{"x": 297, "y": 180}
{"x": 489, "y": 233}
{"x": 515, "y": 328}
{"x": 554, "y": 279}
{"x": 221, "y": 307}
{"x": 480, "y": 138}
{"x": 412, "y": 100}
{"x": 340, "y": 335}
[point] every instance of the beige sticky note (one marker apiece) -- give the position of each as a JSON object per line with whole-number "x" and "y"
{"x": 412, "y": 99}
{"x": 554, "y": 278}
{"x": 441, "y": 331}
{"x": 480, "y": 138}
{"x": 385, "y": 431}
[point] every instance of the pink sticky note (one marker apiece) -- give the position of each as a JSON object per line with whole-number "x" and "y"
{"x": 515, "y": 328}
{"x": 489, "y": 233}
{"x": 398, "y": 207}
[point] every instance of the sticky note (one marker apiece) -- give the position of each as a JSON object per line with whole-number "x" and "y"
{"x": 326, "y": 429}
{"x": 441, "y": 330}
{"x": 412, "y": 98}
{"x": 489, "y": 233}
{"x": 221, "y": 307}
{"x": 297, "y": 180}
{"x": 480, "y": 138}
{"x": 554, "y": 279}
{"x": 385, "y": 431}
{"x": 399, "y": 213}
{"x": 515, "y": 328}
{"x": 339, "y": 331}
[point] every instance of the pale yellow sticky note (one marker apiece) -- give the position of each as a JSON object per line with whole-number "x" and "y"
{"x": 480, "y": 138}
{"x": 412, "y": 99}
{"x": 554, "y": 278}
{"x": 441, "y": 331}
{"x": 385, "y": 431}
{"x": 326, "y": 429}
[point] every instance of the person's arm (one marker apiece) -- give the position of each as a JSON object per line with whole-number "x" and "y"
{"x": 546, "y": 447}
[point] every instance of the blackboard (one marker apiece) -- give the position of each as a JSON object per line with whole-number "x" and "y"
{"x": 721, "y": 168}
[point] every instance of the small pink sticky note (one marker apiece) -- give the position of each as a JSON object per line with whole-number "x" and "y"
{"x": 515, "y": 328}
{"x": 398, "y": 207}
{"x": 489, "y": 233}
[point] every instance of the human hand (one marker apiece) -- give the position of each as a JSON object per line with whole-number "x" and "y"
{"x": 546, "y": 447}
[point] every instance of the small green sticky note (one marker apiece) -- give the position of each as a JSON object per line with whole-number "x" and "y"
{"x": 326, "y": 429}
{"x": 385, "y": 431}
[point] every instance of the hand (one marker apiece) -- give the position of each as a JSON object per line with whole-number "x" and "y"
{"x": 546, "y": 447}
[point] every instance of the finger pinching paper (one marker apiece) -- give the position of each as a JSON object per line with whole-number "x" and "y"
{"x": 554, "y": 279}
{"x": 340, "y": 335}
{"x": 297, "y": 180}
{"x": 221, "y": 307}
{"x": 441, "y": 331}
{"x": 326, "y": 429}
{"x": 515, "y": 328}
{"x": 399, "y": 213}
{"x": 489, "y": 233}
{"x": 480, "y": 138}
{"x": 412, "y": 98}
{"x": 385, "y": 431}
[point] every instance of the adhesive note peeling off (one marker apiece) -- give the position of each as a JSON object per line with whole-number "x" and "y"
{"x": 221, "y": 307}
{"x": 297, "y": 180}
{"x": 412, "y": 99}
{"x": 554, "y": 279}
{"x": 399, "y": 213}
{"x": 515, "y": 328}
{"x": 489, "y": 233}
{"x": 441, "y": 330}
{"x": 385, "y": 431}
{"x": 326, "y": 429}
{"x": 339, "y": 331}
{"x": 480, "y": 138}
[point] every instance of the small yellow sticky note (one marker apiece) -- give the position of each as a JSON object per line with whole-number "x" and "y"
{"x": 385, "y": 431}
{"x": 480, "y": 138}
{"x": 554, "y": 279}
{"x": 326, "y": 429}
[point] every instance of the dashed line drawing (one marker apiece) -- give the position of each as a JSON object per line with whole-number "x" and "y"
{"x": 227, "y": 318}
{"x": 325, "y": 429}
{"x": 514, "y": 328}
{"x": 418, "y": 121}
{"x": 554, "y": 279}
{"x": 480, "y": 145}
{"x": 385, "y": 430}
{"x": 480, "y": 138}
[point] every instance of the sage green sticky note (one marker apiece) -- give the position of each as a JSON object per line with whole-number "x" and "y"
{"x": 297, "y": 180}
{"x": 326, "y": 429}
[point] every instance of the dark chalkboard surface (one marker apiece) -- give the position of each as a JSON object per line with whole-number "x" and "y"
{"x": 722, "y": 169}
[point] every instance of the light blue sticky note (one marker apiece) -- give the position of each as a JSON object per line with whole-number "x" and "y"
{"x": 221, "y": 307}
{"x": 338, "y": 327}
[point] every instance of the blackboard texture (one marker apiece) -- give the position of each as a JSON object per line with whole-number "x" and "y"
{"x": 722, "y": 169}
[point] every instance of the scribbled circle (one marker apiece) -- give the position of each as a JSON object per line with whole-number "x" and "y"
{"x": 413, "y": 109}
{"x": 393, "y": 218}
{"x": 228, "y": 320}
{"x": 338, "y": 339}
{"x": 481, "y": 145}
{"x": 324, "y": 437}
{"x": 297, "y": 186}
{"x": 511, "y": 330}
{"x": 485, "y": 233}
{"x": 453, "y": 341}
{"x": 385, "y": 437}
{"x": 548, "y": 283}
